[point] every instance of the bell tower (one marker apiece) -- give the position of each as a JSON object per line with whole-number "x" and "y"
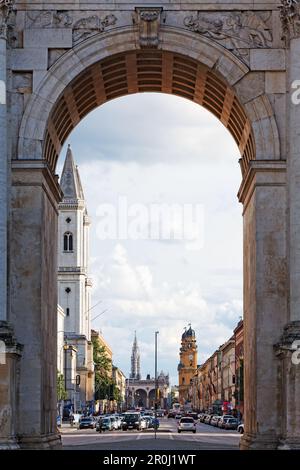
{"x": 187, "y": 366}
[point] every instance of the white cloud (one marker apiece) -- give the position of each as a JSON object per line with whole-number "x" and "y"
{"x": 175, "y": 152}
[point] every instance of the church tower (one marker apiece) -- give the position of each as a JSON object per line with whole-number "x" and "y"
{"x": 187, "y": 366}
{"x": 74, "y": 285}
{"x": 135, "y": 360}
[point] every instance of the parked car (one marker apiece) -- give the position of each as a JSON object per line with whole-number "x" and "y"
{"x": 132, "y": 421}
{"x": 202, "y": 417}
{"x": 240, "y": 428}
{"x": 187, "y": 424}
{"x": 87, "y": 423}
{"x": 214, "y": 420}
{"x": 223, "y": 419}
{"x": 104, "y": 424}
{"x": 193, "y": 415}
{"x": 207, "y": 419}
{"x": 231, "y": 423}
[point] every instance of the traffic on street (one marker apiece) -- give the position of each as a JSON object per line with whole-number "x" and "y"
{"x": 136, "y": 430}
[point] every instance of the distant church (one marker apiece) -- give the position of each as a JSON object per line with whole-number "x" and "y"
{"x": 140, "y": 393}
{"x": 75, "y": 352}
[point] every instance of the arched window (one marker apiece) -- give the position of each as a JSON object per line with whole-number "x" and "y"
{"x": 183, "y": 381}
{"x": 68, "y": 241}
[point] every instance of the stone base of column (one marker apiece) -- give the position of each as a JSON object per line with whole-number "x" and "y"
{"x": 258, "y": 442}
{"x": 46, "y": 442}
{"x": 10, "y": 352}
{"x": 289, "y": 444}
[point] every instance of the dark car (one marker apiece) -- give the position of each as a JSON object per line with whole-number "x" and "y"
{"x": 104, "y": 424}
{"x": 231, "y": 423}
{"x": 87, "y": 423}
{"x": 171, "y": 414}
{"x": 132, "y": 421}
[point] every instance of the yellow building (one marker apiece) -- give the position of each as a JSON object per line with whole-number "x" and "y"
{"x": 187, "y": 366}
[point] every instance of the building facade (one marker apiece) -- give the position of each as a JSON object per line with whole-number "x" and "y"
{"x": 187, "y": 366}
{"x": 218, "y": 385}
{"x": 74, "y": 286}
{"x": 239, "y": 368}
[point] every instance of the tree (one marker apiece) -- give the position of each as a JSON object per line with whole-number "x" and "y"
{"x": 103, "y": 367}
{"x": 61, "y": 392}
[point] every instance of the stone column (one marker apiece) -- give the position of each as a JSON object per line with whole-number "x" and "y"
{"x": 5, "y": 6}
{"x": 10, "y": 349}
{"x": 289, "y": 371}
{"x": 263, "y": 194}
{"x": 33, "y": 275}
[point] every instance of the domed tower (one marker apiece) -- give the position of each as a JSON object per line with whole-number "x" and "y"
{"x": 187, "y": 366}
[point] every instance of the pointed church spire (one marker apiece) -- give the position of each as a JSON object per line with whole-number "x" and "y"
{"x": 135, "y": 360}
{"x": 70, "y": 180}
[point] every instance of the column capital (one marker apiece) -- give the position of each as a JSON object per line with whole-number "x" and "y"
{"x": 6, "y": 7}
{"x": 261, "y": 173}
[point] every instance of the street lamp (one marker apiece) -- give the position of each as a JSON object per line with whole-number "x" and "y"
{"x": 156, "y": 385}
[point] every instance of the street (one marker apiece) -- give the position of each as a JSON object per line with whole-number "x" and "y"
{"x": 206, "y": 438}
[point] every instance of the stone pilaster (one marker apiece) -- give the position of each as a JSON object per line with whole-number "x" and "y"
{"x": 5, "y": 6}
{"x": 34, "y": 202}
{"x": 263, "y": 194}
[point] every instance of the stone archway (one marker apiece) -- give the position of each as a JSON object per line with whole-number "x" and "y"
{"x": 140, "y": 397}
{"x": 81, "y": 67}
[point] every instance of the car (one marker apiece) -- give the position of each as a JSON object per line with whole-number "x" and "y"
{"x": 192, "y": 414}
{"x": 132, "y": 420}
{"x": 115, "y": 423}
{"x": 207, "y": 419}
{"x": 223, "y": 419}
{"x": 149, "y": 421}
{"x": 214, "y": 420}
{"x": 171, "y": 414}
{"x": 87, "y": 423}
{"x": 160, "y": 413}
{"x": 231, "y": 423}
{"x": 104, "y": 424}
{"x": 202, "y": 417}
{"x": 240, "y": 428}
{"x": 178, "y": 416}
{"x": 144, "y": 423}
{"x": 187, "y": 424}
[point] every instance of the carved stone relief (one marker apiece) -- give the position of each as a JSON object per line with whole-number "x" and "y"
{"x": 237, "y": 31}
{"x": 6, "y": 7}
{"x": 148, "y": 21}
{"x": 82, "y": 26}
{"x": 290, "y": 19}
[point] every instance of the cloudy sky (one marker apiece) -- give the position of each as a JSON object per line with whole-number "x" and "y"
{"x": 151, "y": 151}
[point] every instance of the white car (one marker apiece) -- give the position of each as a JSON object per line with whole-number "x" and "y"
{"x": 241, "y": 428}
{"x": 144, "y": 424}
{"x": 187, "y": 424}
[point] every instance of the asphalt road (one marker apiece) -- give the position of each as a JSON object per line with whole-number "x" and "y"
{"x": 206, "y": 438}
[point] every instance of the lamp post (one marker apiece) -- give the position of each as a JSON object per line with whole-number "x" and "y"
{"x": 156, "y": 386}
